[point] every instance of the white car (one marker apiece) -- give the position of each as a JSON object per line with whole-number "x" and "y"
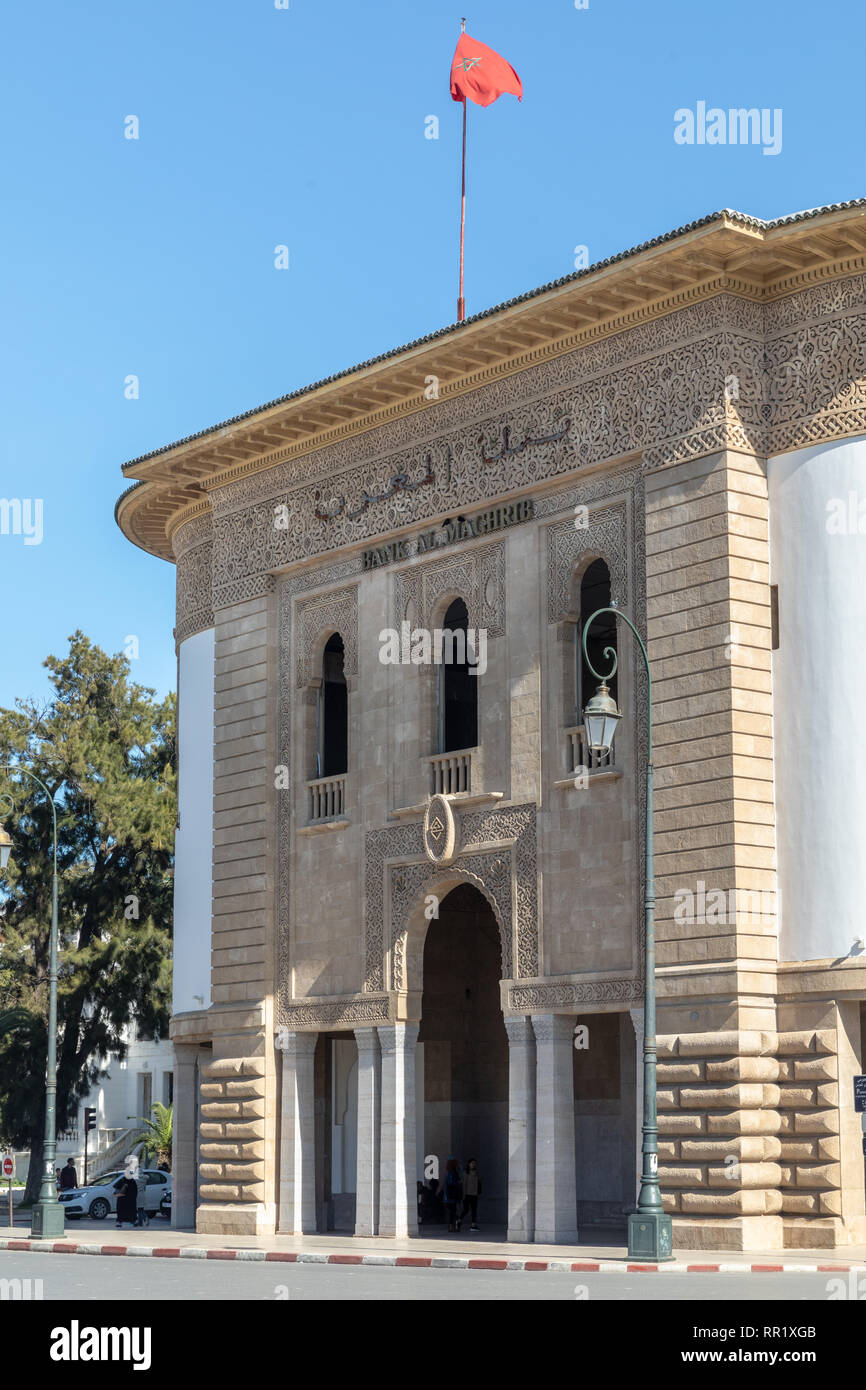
{"x": 99, "y": 1198}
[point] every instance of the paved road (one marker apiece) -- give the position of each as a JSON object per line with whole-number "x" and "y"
{"x": 100, "y": 1277}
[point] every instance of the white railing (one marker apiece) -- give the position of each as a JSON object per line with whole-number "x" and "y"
{"x": 327, "y": 797}
{"x": 451, "y": 773}
{"x": 580, "y": 755}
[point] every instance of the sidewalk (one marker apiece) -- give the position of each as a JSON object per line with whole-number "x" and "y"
{"x": 426, "y": 1251}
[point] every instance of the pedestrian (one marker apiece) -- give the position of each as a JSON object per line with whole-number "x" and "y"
{"x": 68, "y": 1177}
{"x": 471, "y": 1191}
{"x": 452, "y": 1192}
{"x": 127, "y": 1200}
{"x": 57, "y": 1178}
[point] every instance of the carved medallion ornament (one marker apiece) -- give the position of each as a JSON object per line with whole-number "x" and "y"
{"x": 441, "y": 830}
{"x": 498, "y": 855}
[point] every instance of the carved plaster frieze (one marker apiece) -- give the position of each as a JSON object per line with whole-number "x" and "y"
{"x": 335, "y": 1015}
{"x": 721, "y": 373}
{"x": 397, "y": 875}
{"x": 194, "y": 601}
{"x": 476, "y": 574}
{"x": 324, "y": 614}
{"x": 551, "y": 995}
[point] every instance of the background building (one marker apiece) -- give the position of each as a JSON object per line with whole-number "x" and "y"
{"x": 401, "y": 885}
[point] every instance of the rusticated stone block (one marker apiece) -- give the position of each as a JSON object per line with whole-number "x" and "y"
{"x": 211, "y": 1089}
{"x": 801, "y": 1203}
{"x": 668, "y": 1098}
{"x": 745, "y": 1175}
{"x": 668, "y": 1150}
{"x": 221, "y": 1109}
{"x": 818, "y": 1122}
{"x": 681, "y": 1124}
{"x": 235, "y": 1067}
{"x": 758, "y": 1202}
{"x": 796, "y": 1097}
{"x": 253, "y": 1109}
{"x": 744, "y": 1069}
{"x": 242, "y": 1090}
{"x": 829, "y": 1148}
{"x": 729, "y": 1044}
{"x": 252, "y": 1192}
{"x": 670, "y": 1202}
{"x": 791, "y": 1043}
{"x": 213, "y": 1170}
{"x": 825, "y": 1040}
{"x": 212, "y": 1131}
{"x": 245, "y": 1172}
{"x": 220, "y": 1150}
{"x": 817, "y": 1069}
{"x": 743, "y": 1122}
{"x": 819, "y": 1175}
{"x": 744, "y": 1148}
{"x": 242, "y": 1130}
{"x": 669, "y": 1072}
{"x": 799, "y": 1149}
{"x": 743, "y": 1096}
{"x": 828, "y": 1094}
{"x": 692, "y": 1176}
{"x": 220, "y": 1192}
{"x": 830, "y": 1203}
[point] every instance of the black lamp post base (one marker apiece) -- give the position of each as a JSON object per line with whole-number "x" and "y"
{"x": 650, "y": 1236}
{"x": 47, "y": 1221}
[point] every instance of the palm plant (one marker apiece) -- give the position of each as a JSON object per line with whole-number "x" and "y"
{"x": 156, "y": 1135}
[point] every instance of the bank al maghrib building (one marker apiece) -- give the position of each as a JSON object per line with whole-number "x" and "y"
{"x": 409, "y": 899}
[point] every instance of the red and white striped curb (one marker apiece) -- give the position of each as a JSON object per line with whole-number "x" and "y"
{"x": 197, "y": 1252}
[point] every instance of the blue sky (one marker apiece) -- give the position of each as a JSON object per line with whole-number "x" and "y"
{"x": 306, "y": 127}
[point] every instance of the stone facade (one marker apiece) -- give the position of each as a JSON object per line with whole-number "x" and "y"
{"x": 640, "y": 437}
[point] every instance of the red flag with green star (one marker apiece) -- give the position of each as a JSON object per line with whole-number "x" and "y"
{"x": 481, "y": 74}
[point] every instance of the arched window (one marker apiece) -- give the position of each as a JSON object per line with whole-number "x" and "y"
{"x": 332, "y": 753}
{"x": 458, "y": 685}
{"x": 594, "y": 594}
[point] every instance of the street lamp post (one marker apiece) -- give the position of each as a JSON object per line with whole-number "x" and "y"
{"x": 650, "y": 1229}
{"x": 47, "y": 1217}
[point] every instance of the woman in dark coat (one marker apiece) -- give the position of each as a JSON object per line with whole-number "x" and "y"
{"x": 127, "y": 1200}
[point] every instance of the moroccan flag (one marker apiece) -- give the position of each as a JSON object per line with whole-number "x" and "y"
{"x": 481, "y": 74}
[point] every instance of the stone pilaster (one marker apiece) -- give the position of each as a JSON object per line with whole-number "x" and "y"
{"x": 521, "y": 1129}
{"x": 297, "y": 1200}
{"x": 184, "y": 1149}
{"x": 369, "y": 1123}
{"x": 398, "y": 1209}
{"x": 555, "y": 1183}
{"x": 637, "y": 1018}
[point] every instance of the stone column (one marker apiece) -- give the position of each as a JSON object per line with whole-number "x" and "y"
{"x": 297, "y": 1197}
{"x": 398, "y": 1208}
{"x": 521, "y": 1129}
{"x": 555, "y": 1184}
{"x": 185, "y": 1140}
{"x": 637, "y": 1020}
{"x": 369, "y": 1123}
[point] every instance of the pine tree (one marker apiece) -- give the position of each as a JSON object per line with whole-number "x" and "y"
{"x": 105, "y": 747}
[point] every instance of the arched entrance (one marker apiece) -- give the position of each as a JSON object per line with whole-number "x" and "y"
{"x": 462, "y": 1073}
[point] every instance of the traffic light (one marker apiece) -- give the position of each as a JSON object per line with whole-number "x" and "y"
{"x": 89, "y": 1118}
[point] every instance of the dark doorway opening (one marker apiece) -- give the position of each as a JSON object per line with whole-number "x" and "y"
{"x": 464, "y": 1108}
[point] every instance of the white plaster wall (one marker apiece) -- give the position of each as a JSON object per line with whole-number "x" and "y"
{"x": 194, "y": 837}
{"x": 819, "y": 700}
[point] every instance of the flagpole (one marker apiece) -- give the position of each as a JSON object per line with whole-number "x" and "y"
{"x": 461, "y": 302}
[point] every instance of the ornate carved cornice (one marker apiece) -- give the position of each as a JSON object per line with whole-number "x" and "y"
{"x": 727, "y": 256}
